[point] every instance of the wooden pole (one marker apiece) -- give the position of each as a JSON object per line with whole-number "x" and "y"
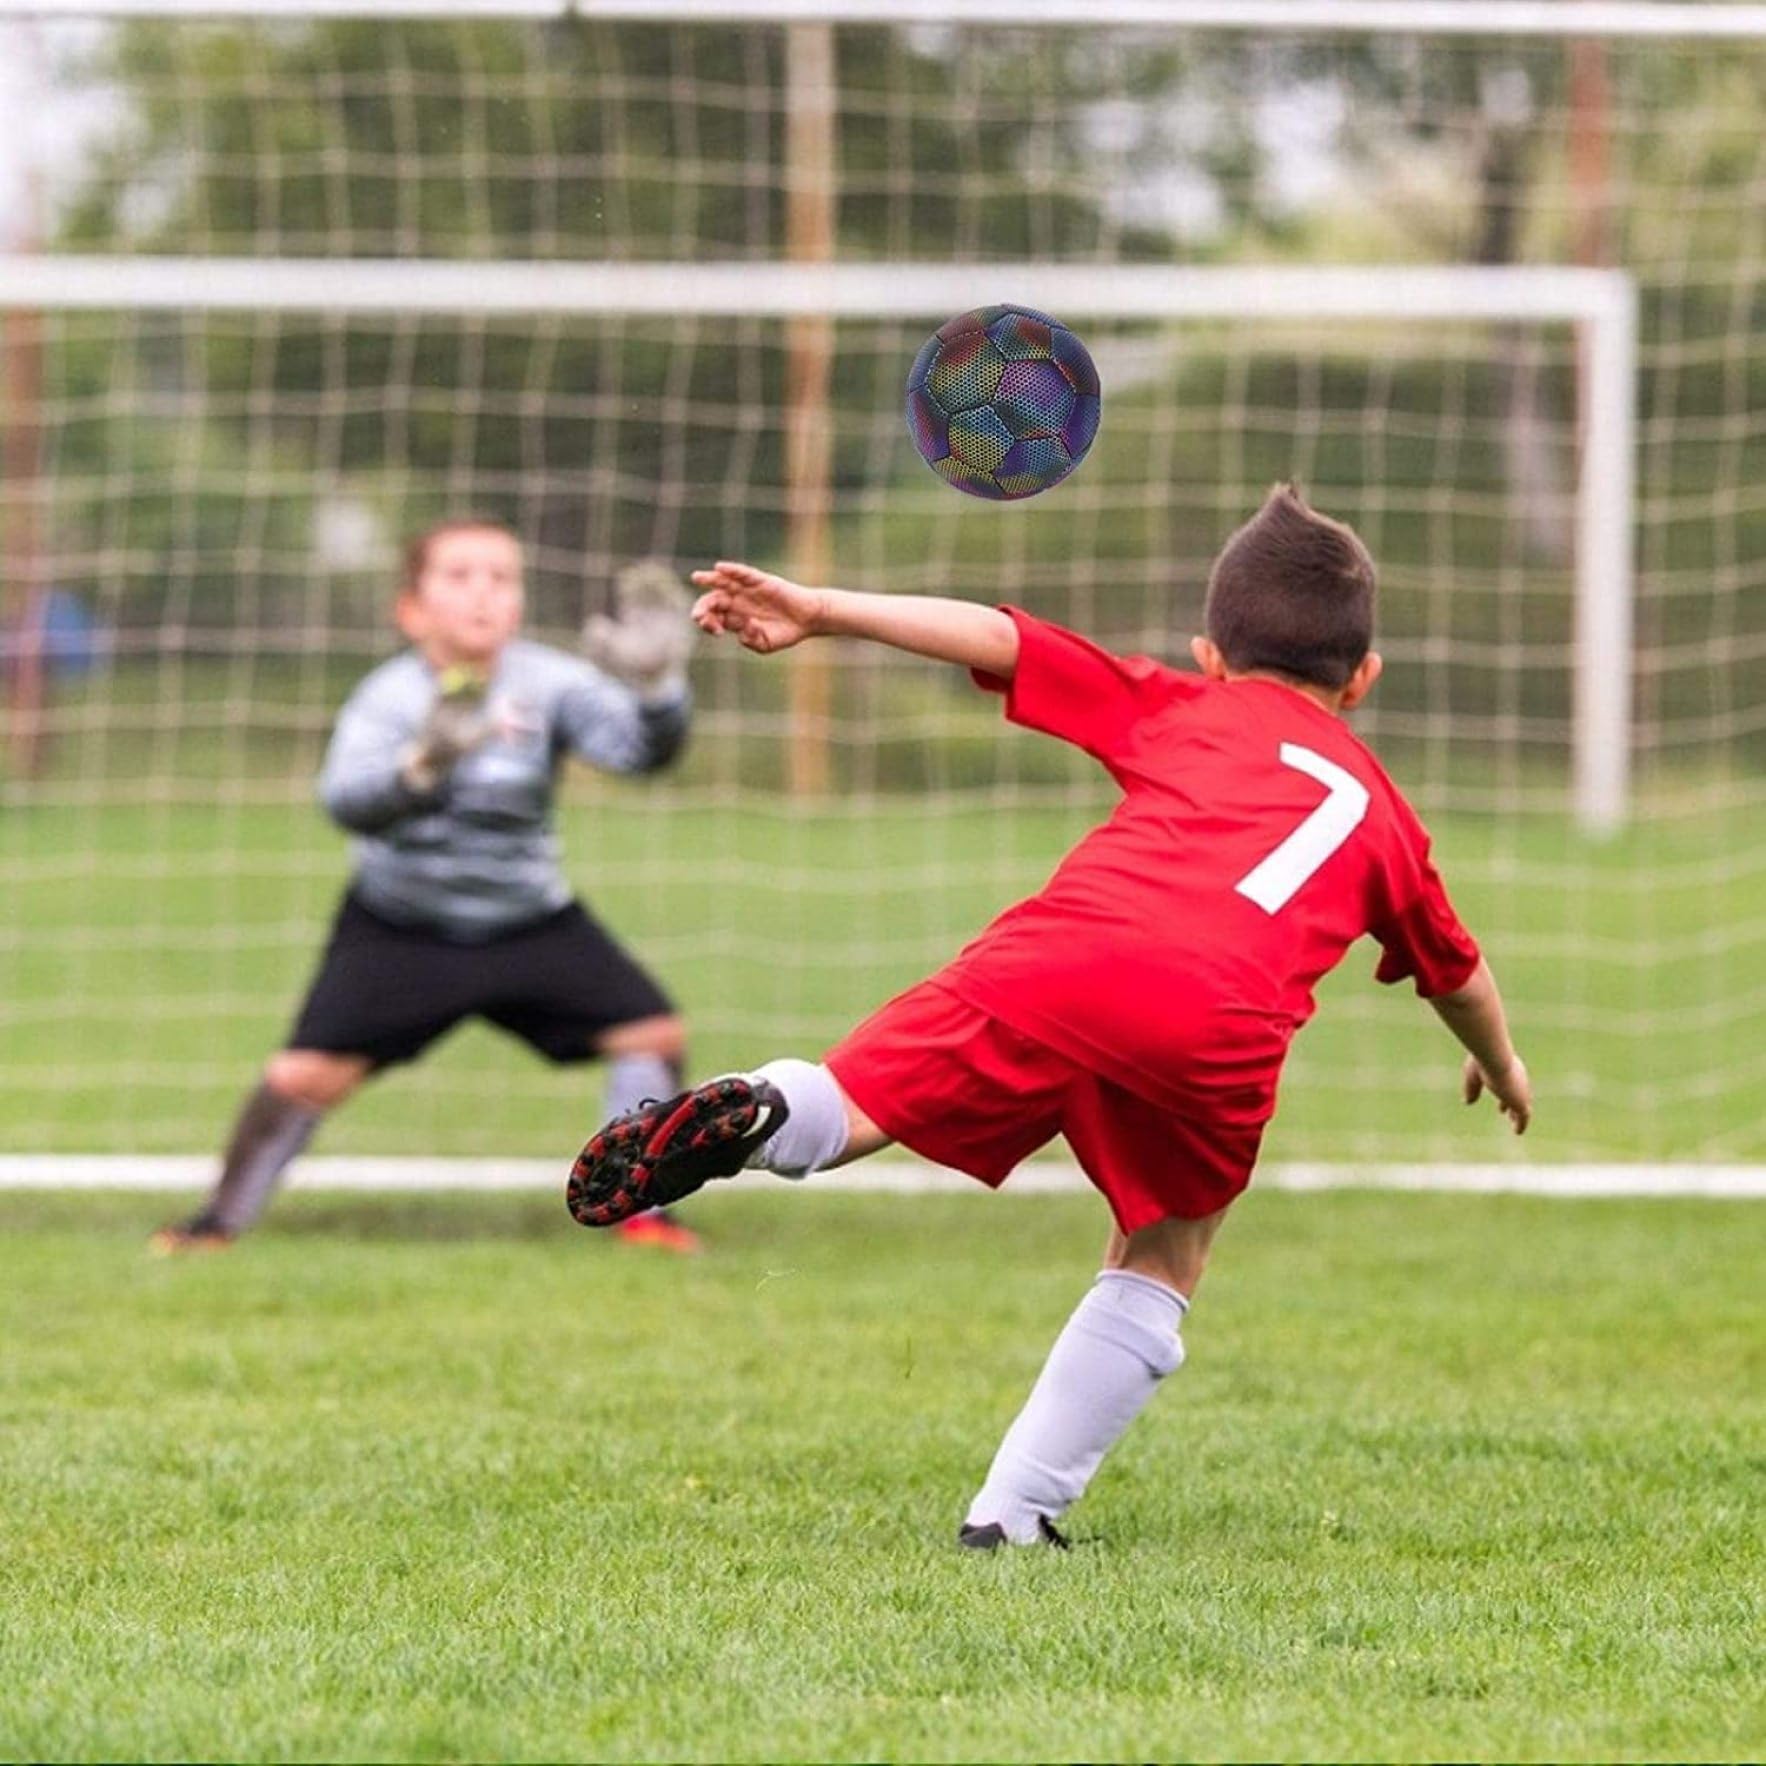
{"x": 23, "y": 592}
{"x": 1590, "y": 150}
{"x": 810, "y": 121}
{"x": 21, "y": 558}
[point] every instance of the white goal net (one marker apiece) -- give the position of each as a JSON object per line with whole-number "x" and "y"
{"x": 370, "y": 273}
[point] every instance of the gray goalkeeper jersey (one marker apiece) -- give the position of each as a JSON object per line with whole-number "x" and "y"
{"x": 478, "y": 856}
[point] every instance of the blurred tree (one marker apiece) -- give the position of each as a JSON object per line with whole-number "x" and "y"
{"x": 579, "y": 141}
{"x": 584, "y": 140}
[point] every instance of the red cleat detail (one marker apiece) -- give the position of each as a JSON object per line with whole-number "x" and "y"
{"x": 660, "y": 1233}
{"x": 666, "y": 1149}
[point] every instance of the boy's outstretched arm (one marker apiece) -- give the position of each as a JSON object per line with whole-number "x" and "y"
{"x": 1474, "y": 1014}
{"x": 767, "y": 613}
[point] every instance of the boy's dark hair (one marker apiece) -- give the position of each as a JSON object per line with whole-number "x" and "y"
{"x": 1292, "y": 593}
{"x": 418, "y": 547}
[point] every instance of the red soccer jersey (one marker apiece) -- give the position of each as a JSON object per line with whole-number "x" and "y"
{"x": 1176, "y": 948}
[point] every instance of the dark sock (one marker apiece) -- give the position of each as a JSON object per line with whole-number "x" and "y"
{"x": 271, "y": 1132}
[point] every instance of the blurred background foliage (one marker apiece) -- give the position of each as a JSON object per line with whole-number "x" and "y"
{"x": 233, "y": 483}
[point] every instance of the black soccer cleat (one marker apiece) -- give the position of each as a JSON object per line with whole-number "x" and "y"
{"x": 654, "y": 1155}
{"x": 992, "y": 1535}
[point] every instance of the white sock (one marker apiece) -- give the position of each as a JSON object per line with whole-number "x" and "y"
{"x": 633, "y": 1078}
{"x": 815, "y": 1133}
{"x": 1121, "y": 1341}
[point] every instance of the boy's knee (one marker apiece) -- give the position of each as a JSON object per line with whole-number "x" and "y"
{"x": 314, "y": 1078}
{"x": 662, "y": 1036}
{"x": 1172, "y": 1252}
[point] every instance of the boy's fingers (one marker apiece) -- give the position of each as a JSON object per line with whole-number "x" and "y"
{"x": 743, "y": 574}
{"x": 719, "y": 576}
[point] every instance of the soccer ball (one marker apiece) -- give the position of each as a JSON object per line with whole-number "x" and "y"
{"x": 1003, "y": 402}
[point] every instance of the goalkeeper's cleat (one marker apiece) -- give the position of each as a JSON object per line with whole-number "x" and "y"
{"x": 660, "y": 1231}
{"x": 202, "y": 1232}
{"x": 660, "y": 1152}
{"x": 991, "y": 1536}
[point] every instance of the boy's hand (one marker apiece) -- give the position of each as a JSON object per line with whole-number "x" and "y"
{"x": 456, "y": 725}
{"x": 764, "y": 612}
{"x": 648, "y": 642}
{"x": 1511, "y": 1088}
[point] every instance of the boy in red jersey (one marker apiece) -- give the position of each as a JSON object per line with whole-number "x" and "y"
{"x": 1143, "y": 1002}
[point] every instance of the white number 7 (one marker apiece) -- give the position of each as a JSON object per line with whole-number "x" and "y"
{"x": 1273, "y": 883}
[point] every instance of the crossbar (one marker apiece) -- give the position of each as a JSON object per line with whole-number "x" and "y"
{"x": 1601, "y": 303}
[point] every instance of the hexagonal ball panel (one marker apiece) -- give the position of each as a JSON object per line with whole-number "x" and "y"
{"x": 966, "y": 478}
{"x": 1032, "y": 466}
{"x": 967, "y": 372}
{"x": 1020, "y": 338}
{"x": 1075, "y": 358}
{"x": 1033, "y": 398}
{"x": 1081, "y": 428}
{"x": 979, "y": 439}
{"x": 923, "y": 363}
{"x": 928, "y": 425}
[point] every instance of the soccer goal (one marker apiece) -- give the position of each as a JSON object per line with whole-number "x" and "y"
{"x": 645, "y": 279}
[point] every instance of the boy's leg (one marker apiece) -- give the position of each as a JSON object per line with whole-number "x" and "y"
{"x": 299, "y": 1087}
{"x": 664, "y": 1151}
{"x": 933, "y": 1071}
{"x": 1121, "y": 1341}
{"x": 823, "y": 1127}
{"x": 569, "y": 990}
{"x": 645, "y": 1059}
{"x": 1174, "y": 1252}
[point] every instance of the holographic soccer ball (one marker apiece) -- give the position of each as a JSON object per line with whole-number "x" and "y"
{"x": 1003, "y": 402}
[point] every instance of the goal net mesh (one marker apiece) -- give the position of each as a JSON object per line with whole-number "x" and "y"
{"x": 201, "y": 514}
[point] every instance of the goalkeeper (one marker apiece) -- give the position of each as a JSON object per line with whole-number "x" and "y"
{"x": 443, "y": 765}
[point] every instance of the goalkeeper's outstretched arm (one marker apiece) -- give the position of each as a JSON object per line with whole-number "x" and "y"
{"x": 630, "y": 713}
{"x": 767, "y": 613}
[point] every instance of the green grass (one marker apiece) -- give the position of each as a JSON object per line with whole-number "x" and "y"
{"x": 154, "y": 952}
{"x": 1444, "y": 1477}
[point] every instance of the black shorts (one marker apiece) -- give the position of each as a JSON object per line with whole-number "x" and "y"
{"x": 388, "y": 991}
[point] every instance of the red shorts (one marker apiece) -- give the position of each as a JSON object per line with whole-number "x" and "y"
{"x": 959, "y": 1087}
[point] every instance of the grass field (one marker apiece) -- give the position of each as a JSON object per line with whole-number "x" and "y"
{"x": 154, "y": 952}
{"x": 1444, "y": 1477}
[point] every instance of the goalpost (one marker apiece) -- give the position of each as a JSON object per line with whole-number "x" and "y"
{"x": 1601, "y": 302}
{"x": 673, "y": 315}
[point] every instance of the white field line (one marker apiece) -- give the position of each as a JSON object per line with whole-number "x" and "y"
{"x": 892, "y": 1176}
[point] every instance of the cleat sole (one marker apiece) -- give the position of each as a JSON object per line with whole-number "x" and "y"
{"x": 624, "y": 1168}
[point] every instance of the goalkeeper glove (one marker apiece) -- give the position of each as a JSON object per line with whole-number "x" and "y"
{"x": 456, "y": 725}
{"x": 647, "y": 642}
